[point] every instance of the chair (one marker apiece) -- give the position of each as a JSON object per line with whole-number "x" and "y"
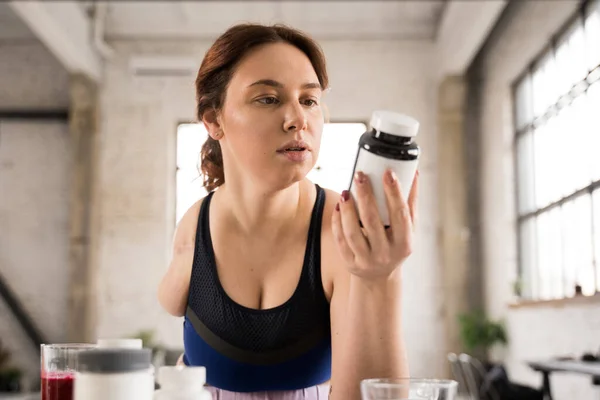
{"x": 474, "y": 374}
{"x": 459, "y": 376}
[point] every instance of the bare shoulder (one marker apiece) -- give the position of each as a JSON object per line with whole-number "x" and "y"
{"x": 185, "y": 232}
{"x": 332, "y": 267}
{"x": 174, "y": 286}
{"x": 331, "y": 199}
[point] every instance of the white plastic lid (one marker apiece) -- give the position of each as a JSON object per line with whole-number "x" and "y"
{"x": 394, "y": 123}
{"x": 120, "y": 343}
{"x": 182, "y": 377}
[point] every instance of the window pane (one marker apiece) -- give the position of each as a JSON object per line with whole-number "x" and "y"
{"x": 189, "y": 191}
{"x": 544, "y": 86}
{"x": 577, "y": 61}
{"x": 563, "y": 80}
{"x": 578, "y": 145}
{"x": 525, "y": 173}
{"x": 190, "y": 138}
{"x": 540, "y": 155}
{"x": 529, "y": 277}
{"x": 596, "y": 200}
{"x": 592, "y": 33}
{"x": 549, "y": 182}
{"x": 524, "y": 103}
{"x": 594, "y": 128}
{"x": 339, "y": 144}
{"x": 578, "y": 245}
{"x": 549, "y": 255}
{"x": 563, "y": 158}
{"x": 188, "y": 181}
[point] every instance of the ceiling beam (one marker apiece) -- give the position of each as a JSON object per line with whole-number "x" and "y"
{"x": 463, "y": 29}
{"x": 65, "y": 30}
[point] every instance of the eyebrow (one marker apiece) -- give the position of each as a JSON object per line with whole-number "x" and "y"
{"x": 279, "y": 85}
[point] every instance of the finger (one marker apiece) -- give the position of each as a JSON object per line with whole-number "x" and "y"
{"x": 412, "y": 199}
{"x": 351, "y": 227}
{"x": 338, "y": 235}
{"x": 369, "y": 213}
{"x": 398, "y": 209}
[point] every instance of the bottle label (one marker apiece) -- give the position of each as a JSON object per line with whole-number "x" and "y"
{"x": 374, "y": 166}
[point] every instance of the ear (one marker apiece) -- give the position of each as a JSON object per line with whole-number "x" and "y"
{"x": 211, "y": 122}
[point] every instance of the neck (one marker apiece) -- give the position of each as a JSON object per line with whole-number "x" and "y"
{"x": 253, "y": 208}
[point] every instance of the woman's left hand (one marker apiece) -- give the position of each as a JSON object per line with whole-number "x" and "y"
{"x": 373, "y": 252}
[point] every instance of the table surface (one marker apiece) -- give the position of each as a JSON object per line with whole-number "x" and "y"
{"x": 582, "y": 367}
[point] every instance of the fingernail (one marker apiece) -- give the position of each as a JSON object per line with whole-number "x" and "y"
{"x": 345, "y": 196}
{"x": 337, "y": 207}
{"x": 392, "y": 177}
{"x": 360, "y": 177}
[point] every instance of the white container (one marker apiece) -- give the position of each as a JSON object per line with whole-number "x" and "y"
{"x": 182, "y": 383}
{"x": 389, "y": 144}
{"x": 115, "y": 374}
{"x": 112, "y": 343}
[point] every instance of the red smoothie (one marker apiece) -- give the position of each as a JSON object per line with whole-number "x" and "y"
{"x": 58, "y": 386}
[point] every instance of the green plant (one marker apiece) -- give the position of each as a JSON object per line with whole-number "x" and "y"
{"x": 10, "y": 376}
{"x": 4, "y": 356}
{"x": 479, "y": 333}
{"x": 147, "y": 337}
{"x": 518, "y": 287}
{"x": 148, "y": 340}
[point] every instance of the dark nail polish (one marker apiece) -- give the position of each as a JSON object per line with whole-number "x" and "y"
{"x": 345, "y": 195}
{"x": 337, "y": 207}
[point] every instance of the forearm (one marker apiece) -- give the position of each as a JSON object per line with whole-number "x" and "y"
{"x": 373, "y": 342}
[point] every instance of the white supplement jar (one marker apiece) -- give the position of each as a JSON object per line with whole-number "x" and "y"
{"x": 115, "y": 374}
{"x": 182, "y": 383}
{"x": 389, "y": 144}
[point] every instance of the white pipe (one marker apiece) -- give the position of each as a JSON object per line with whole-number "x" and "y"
{"x": 100, "y": 12}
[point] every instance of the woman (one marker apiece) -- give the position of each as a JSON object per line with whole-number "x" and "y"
{"x": 281, "y": 288}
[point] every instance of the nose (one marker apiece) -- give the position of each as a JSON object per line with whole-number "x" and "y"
{"x": 295, "y": 119}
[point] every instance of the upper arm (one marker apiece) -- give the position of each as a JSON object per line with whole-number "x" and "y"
{"x": 174, "y": 286}
{"x": 338, "y": 316}
{"x": 338, "y": 278}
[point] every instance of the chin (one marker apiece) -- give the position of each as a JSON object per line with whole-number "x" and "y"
{"x": 285, "y": 180}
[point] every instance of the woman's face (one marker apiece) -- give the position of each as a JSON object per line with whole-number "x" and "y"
{"x": 272, "y": 118}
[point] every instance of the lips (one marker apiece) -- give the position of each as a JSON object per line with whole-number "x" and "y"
{"x": 295, "y": 151}
{"x": 294, "y": 145}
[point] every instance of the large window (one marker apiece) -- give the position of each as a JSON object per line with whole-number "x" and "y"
{"x": 557, "y": 122}
{"x": 333, "y": 169}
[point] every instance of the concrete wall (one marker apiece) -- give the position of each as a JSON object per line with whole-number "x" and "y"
{"x": 137, "y": 171}
{"x": 30, "y": 77}
{"x": 540, "y": 331}
{"x": 34, "y": 194}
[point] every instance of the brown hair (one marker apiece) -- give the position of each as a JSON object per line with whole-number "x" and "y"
{"x": 217, "y": 69}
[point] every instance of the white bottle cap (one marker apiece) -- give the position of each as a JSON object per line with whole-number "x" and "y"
{"x": 394, "y": 123}
{"x": 182, "y": 377}
{"x": 120, "y": 343}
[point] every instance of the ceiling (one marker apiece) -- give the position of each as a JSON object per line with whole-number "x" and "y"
{"x": 456, "y": 28}
{"x": 334, "y": 19}
{"x": 371, "y": 19}
{"x": 12, "y": 28}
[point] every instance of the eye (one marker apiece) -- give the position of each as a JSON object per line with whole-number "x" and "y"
{"x": 310, "y": 103}
{"x": 268, "y": 100}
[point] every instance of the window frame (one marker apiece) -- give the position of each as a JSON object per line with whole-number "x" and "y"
{"x": 580, "y": 88}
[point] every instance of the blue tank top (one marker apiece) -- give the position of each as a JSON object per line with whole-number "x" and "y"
{"x": 287, "y": 347}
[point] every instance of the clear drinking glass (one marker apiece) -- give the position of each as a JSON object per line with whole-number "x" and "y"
{"x": 408, "y": 389}
{"x": 58, "y": 368}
